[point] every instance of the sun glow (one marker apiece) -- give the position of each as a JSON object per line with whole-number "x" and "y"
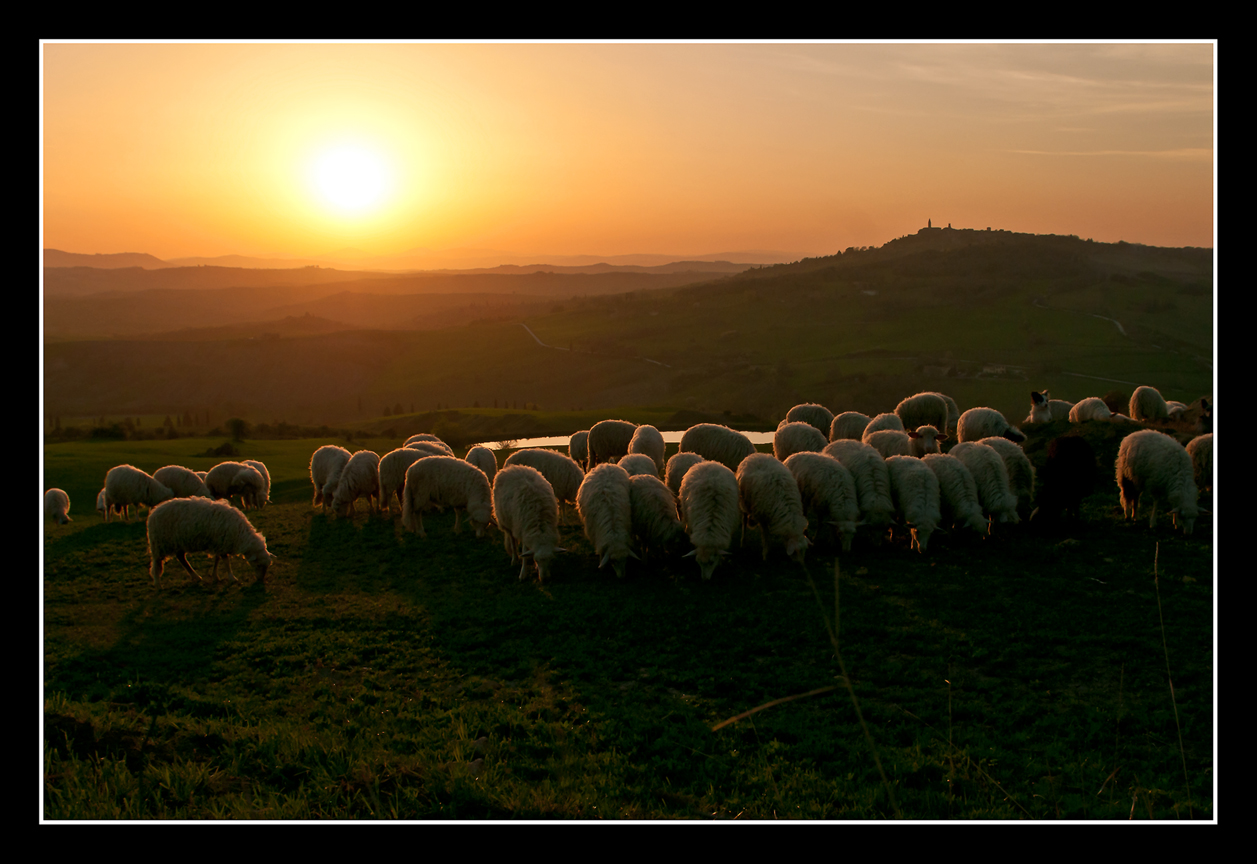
{"x": 352, "y": 178}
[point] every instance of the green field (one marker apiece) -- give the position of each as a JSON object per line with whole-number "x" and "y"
{"x": 375, "y": 675}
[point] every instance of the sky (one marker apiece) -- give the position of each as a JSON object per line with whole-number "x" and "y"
{"x": 308, "y": 149}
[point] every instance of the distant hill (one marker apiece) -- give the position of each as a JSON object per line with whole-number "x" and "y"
{"x": 57, "y": 258}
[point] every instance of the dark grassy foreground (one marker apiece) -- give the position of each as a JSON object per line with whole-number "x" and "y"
{"x": 377, "y": 675}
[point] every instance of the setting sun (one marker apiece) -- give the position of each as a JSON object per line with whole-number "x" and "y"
{"x": 351, "y": 178}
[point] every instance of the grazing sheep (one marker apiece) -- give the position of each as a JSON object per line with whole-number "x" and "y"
{"x": 884, "y": 421}
{"x": 924, "y": 440}
{"x": 1200, "y": 449}
{"x": 250, "y": 485}
{"x": 958, "y": 493}
{"x": 526, "y": 511}
{"x": 991, "y": 477}
{"x": 915, "y": 490}
{"x": 220, "y": 477}
{"x": 100, "y": 504}
{"x": 770, "y": 498}
{"x": 1175, "y": 410}
{"x": 653, "y": 507}
{"x": 605, "y": 508}
{"x": 360, "y": 477}
{"x": 428, "y": 438}
{"x": 889, "y": 442}
{"x": 184, "y": 482}
{"x": 264, "y": 497}
{"x": 578, "y": 448}
{"x": 849, "y": 425}
{"x": 1152, "y": 462}
{"x": 649, "y": 440}
{"x": 186, "y": 525}
{"x": 484, "y": 459}
{"x": 326, "y": 465}
{"x": 1020, "y": 472}
{"x": 57, "y": 506}
{"x": 609, "y": 441}
{"x": 126, "y": 485}
{"x": 1147, "y": 405}
{"x": 432, "y": 448}
{"x": 675, "y": 470}
{"x": 717, "y": 443}
{"x": 1045, "y": 410}
{"x": 562, "y": 472}
{"x": 978, "y": 423}
{"x": 797, "y": 436}
{"x": 710, "y": 512}
{"x": 392, "y": 471}
{"x": 638, "y": 463}
{"x": 437, "y": 482}
{"x": 923, "y": 409}
{"x": 1091, "y": 408}
{"x": 827, "y": 490}
{"x": 1069, "y": 475}
{"x": 872, "y": 480}
{"x": 817, "y": 416}
{"x": 953, "y": 413}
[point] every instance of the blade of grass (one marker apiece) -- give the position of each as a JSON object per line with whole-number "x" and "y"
{"x": 1181, "y": 752}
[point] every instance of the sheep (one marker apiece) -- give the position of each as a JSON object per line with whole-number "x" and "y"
{"x": 1069, "y": 475}
{"x": 915, "y": 490}
{"x": 770, "y": 497}
{"x": 186, "y": 525}
{"x": 392, "y": 472}
{"x": 57, "y": 506}
{"x": 675, "y": 470}
{"x": 578, "y": 448}
{"x": 326, "y": 465}
{"x": 797, "y": 436}
{"x": 126, "y": 485}
{"x": 604, "y": 507}
{"x": 609, "y": 440}
{"x": 953, "y": 412}
{"x": 1045, "y": 410}
{"x": 526, "y": 511}
{"x": 958, "y": 493}
{"x": 710, "y": 512}
{"x": 653, "y": 510}
{"x": 264, "y": 497}
{"x": 923, "y": 440}
{"x": 1200, "y": 449}
{"x": 872, "y": 481}
{"x": 991, "y": 477}
{"x": 978, "y": 423}
{"x": 250, "y": 485}
{"x": 817, "y": 416}
{"x": 484, "y": 459}
{"x": 360, "y": 477}
{"x": 184, "y": 482}
{"x": 649, "y": 440}
{"x": 220, "y": 477}
{"x": 562, "y": 472}
{"x": 1091, "y": 408}
{"x": 848, "y": 425}
{"x": 428, "y": 438}
{"x": 923, "y": 409}
{"x": 884, "y": 421}
{"x": 1020, "y": 472}
{"x": 1174, "y": 410}
{"x": 889, "y": 442}
{"x": 1148, "y": 405}
{"x": 717, "y": 443}
{"x": 638, "y": 463}
{"x": 433, "y": 448}
{"x": 100, "y": 504}
{"x": 1152, "y": 462}
{"x": 827, "y": 490}
{"x": 436, "y": 482}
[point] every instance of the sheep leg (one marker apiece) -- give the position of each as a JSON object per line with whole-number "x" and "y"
{"x": 183, "y": 559}
{"x": 155, "y": 570}
{"x": 457, "y": 515}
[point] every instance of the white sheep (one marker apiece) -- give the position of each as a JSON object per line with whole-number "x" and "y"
{"x": 770, "y": 498}
{"x": 484, "y": 459}
{"x": 437, "y": 482}
{"x": 797, "y": 436}
{"x": 1152, "y": 462}
{"x": 361, "y": 477}
{"x": 1147, "y": 405}
{"x": 915, "y": 490}
{"x": 1175, "y": 409}
{"x": 923, "y": 409}
{"x": 1020, "y": 472}
{"x": 958, "y": 493}
{"x": 432, "y": 448}
{"x": 1200, "y": 449}
{"x": 185, "y": 525}
{"x": 872, "y": 480}
{"x": 428, "y": 438}
{"x": 609, "y": 440}
{"x": 883, "y": 421}
{"x": 639, "y": 463}
{"x": 264, "y": 497}
{"x": 562, "y": 472}
{"x": 57, "y": 506}
{"x": 527, "y": 513}
{"x": 250, "y": 485}
{"x": 849, "y": 425}
{"x": 126, "y": 485}
{"x": 990, "y": 475}
{"x": 923, "y": 440}
{"x": 978, "y": 423}
{"x": 184, "y": 482}
{"x": 675, "y": 470}
{"x": 889, "y": 442}
{"x": 953, "y": 413}
{"x": 1046, "y": 410}
{"x": 326, "y": 465}
{"x": 649, "y": 440}
{"x": 653, "y": 507}
{"x": 578, "y": 448}
{"x": 220, "y": 477}
{"x": 827, "y": 490}
{"x": 817, "y": 416}
{"x": 717, "y": 443}
{"x": 604, "y": 506}
{"x": 710, "y": 512}
{"x": 392, "y": 471}
{"x": 100, "y": 504}
{"x": 1091, "y": 408}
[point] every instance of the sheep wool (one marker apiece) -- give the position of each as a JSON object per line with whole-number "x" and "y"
{"x": 797, "y": 436}
{"x": 526, "y": 511}
{"x": 1045, "y": 410}
{"x": 849, "y": 425}
{"x": 883, "y": 421}
{"x": 770, "y": 498}
{"x": 915, "y": 490}
{"x": 436, "y": 482}
{"x": 675, "y": 470}
{"x": 1200, "y": 449}
{"x": 649, "y": 440}
{"x": 1020, "y": 472}
{"x": 953, "y": 413}
{"x": 185, "y": 525}
{"x": 1147, "y": 405}
{"x": 604, "y": 506}
{"x": 827, "y": 490}
{"x": 392, "y": 469}
{"x": 126, "y": 485}
{"x": 923, "y": 440}
{"x": 717, "y": 443}
{"x": 57, "y": 506}
{"x": 923, "y": 409}
{"x": 361, "y": 477}
{"x": 639, "y": 463}
{"x": 264, "y": 496}
{"x": 889, "y": 442}
{"x": 484, "y": 459}
{"x": 609, "y": 441}
{"x": 326, "y": 465}
{"x": 991, "y": 477}
{"x": 817, "y": 416}
{"x": 250, "y": 486}
{"x": 653, "y": 509}
{"x": 958, "y": 493}
{"x": 709, "y": 512}
{"x": 872, "y": 481}
{"x": 1091, "y": 408}
{"x": 578, "y": 448}
{"x": 562, "y": 472}
{"x": 220, "y": 478}
{"x": 432, "y": 448}
{"x": 1150, "y": 462}
{"x": 184, "y": 482}
{"x": 428, "y": 438}
{"x": 978, "y": 423}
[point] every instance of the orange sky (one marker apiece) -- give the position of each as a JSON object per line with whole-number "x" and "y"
{"x": 609, "y": 149}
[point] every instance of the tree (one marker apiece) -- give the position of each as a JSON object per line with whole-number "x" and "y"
{"x": 238, "y": 428}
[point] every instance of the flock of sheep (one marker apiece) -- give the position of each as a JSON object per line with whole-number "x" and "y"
{"x": 846, "y": 475}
